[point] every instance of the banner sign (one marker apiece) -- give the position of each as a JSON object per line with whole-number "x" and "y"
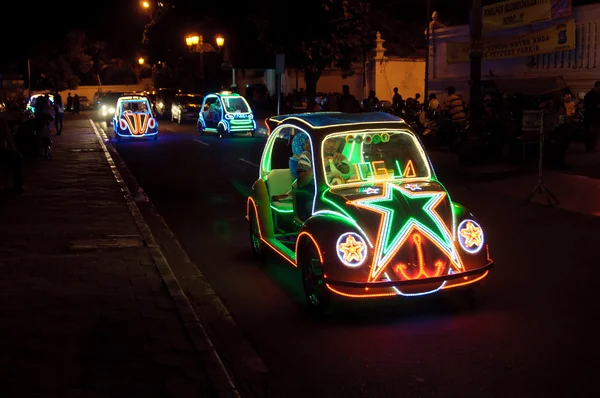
{"x": 560, "y": 37}
{"x": 515, "y": 13}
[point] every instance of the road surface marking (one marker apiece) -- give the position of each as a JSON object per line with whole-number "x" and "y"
{"x": 249, "y": 162}
{"x": 202, "y": 142}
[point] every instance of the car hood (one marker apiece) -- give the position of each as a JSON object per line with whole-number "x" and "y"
{"x": 391, "y": 205}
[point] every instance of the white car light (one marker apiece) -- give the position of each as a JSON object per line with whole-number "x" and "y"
{"x": 111, "y": 110}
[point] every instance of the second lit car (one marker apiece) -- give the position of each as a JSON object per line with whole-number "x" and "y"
{"x": 226, "y": 113}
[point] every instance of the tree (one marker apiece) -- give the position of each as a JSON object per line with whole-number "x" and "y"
{"x": 333, "y": 32}
{"x": 58, "y": 65}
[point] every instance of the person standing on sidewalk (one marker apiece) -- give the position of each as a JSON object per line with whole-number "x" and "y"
{"x": 69, "y": 103}
{"x": 591, "y": 103}
{"x": 10, "y": 158}
{"x": 59, "y": 110}
{"x": 76, "y": 104}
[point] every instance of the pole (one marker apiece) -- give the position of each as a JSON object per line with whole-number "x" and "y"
{"x": 426, "y": 89}
{"x": 232, "y": 76}
{"x": 475, "y": 69}
{"x": 29, "y": 76}
{"x": 278, "y": 94}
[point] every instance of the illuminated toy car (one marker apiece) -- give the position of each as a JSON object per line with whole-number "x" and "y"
{"x": 134, "y": 118}
{"x": 32, "y": 100}
{"x": 226, "y": 113}
{"x": 377, "y": 222}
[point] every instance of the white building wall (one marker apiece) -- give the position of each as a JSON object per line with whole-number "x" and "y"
{"x": 579, "y": 68}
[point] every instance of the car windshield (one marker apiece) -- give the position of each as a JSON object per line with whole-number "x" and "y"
{"x": 135, "y": 106}
{"x": 358, "y": 157}
{"x": 236, "y": 104}
{"x": 83, "y": 99}
{"x": 189, "y": 99}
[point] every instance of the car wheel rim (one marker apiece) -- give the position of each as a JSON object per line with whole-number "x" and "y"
{"x": 314, "y": 282}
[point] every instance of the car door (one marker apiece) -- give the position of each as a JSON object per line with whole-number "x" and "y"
{"x": 208, "y": 110}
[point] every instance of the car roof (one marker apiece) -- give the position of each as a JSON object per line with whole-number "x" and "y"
{"x": 134, "y": 97}
{"x": 331, "y": 122}
{"x": 225, "y": 94}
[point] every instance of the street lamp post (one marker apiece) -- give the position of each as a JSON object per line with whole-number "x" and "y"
{"x": 220, "y": 40}
{"x": 195, "y": 43}
{"x": 145, "y": 4}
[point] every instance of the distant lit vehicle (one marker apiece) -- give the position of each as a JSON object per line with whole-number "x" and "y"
{"x": 107, "y": 105}
{"x": 368, "y": 217}
{"x": 186, "y": 107}
{"x": 226, "y": 113}
{"x": 32, "y": 100}
{"x": 133, "y": 118}
{"x": 164, "y": 101}
{"x": 84, "y": 103}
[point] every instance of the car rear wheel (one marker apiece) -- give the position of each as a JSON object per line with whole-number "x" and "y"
{"x": 313, "y": 278}
{"x": 255, "y": 242}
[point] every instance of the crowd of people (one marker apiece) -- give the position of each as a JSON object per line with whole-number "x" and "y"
{"x": 23, "y": 134}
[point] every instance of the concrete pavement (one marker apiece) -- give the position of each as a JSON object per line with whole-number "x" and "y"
{"x": 87, "y": 305}
{"x": 529, "y": 335}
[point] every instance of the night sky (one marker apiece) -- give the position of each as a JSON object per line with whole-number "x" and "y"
{"x": 120, "y": 22}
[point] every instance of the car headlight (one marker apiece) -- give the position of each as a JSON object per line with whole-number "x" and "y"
{"x": 351, "y": 249}
{"x": 161, "y": 105}
{"x": 111, "y": 110}
{"x": 103, "y": 107}
{"x": 470, "y": 236}
{"x": 250, "y": 116}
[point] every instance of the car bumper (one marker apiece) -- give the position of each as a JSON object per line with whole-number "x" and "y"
{"x": 428, "y": 281}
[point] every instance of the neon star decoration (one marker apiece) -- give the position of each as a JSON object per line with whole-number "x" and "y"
{"x": 470, "y": 236}
{"x": 413, "y": 187}
{"x": 403, "y": 213}
{"x": 352, "y": 249}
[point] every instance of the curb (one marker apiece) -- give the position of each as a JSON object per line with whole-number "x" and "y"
{"x": 222, "y": 381}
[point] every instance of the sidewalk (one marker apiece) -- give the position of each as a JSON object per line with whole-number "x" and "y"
{"x": 83, "y": 309}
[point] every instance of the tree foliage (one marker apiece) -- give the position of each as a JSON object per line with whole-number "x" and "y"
{"x": 58, "y": 65}
{"x": 329, "y": 32}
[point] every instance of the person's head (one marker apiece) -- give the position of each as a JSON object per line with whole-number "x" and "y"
{"x": 417, "y": 96}
{"x": 597, "y": 86}
{"x": 300, "y": 143}
{"x": 395, "y": 90}
{"x": 432, "y": 96}
{"x": 451, "y": 90}
{"x": 69, "y": 93}
{"x": 346, "y": 89}
{"x": 372, "y": 93}
{"x": 331, "y": 146}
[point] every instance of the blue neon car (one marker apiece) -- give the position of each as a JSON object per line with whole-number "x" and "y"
{"x": 134, "y": 118}
{"x": 226, "y": 113}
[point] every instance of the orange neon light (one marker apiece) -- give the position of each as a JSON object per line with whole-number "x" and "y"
{"x": 409, "y": 170}
{"x": 351, "y": 295}
{"x": 422, "y": 273}
{"x": 380, "y": 172}
{"x": 289, "y": 260}
{"x": 473, "y": 235}
{"x": 313, "y": 241}
{"x": 138, "y": 123}
{"x": 352, "y": 249}
{"x": 467, "y": 282}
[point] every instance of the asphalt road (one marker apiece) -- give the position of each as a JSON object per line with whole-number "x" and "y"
{"x": 532, "y": 332}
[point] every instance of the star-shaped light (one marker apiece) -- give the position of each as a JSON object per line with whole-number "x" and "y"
{"x": 471, "y": 236}
{"x": 402, "y": 212}
{"x": 413, "y": 187}
{"x": 353, "y": 249}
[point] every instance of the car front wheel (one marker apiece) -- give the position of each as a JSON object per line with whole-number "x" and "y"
{"x": 313, "y": 278}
